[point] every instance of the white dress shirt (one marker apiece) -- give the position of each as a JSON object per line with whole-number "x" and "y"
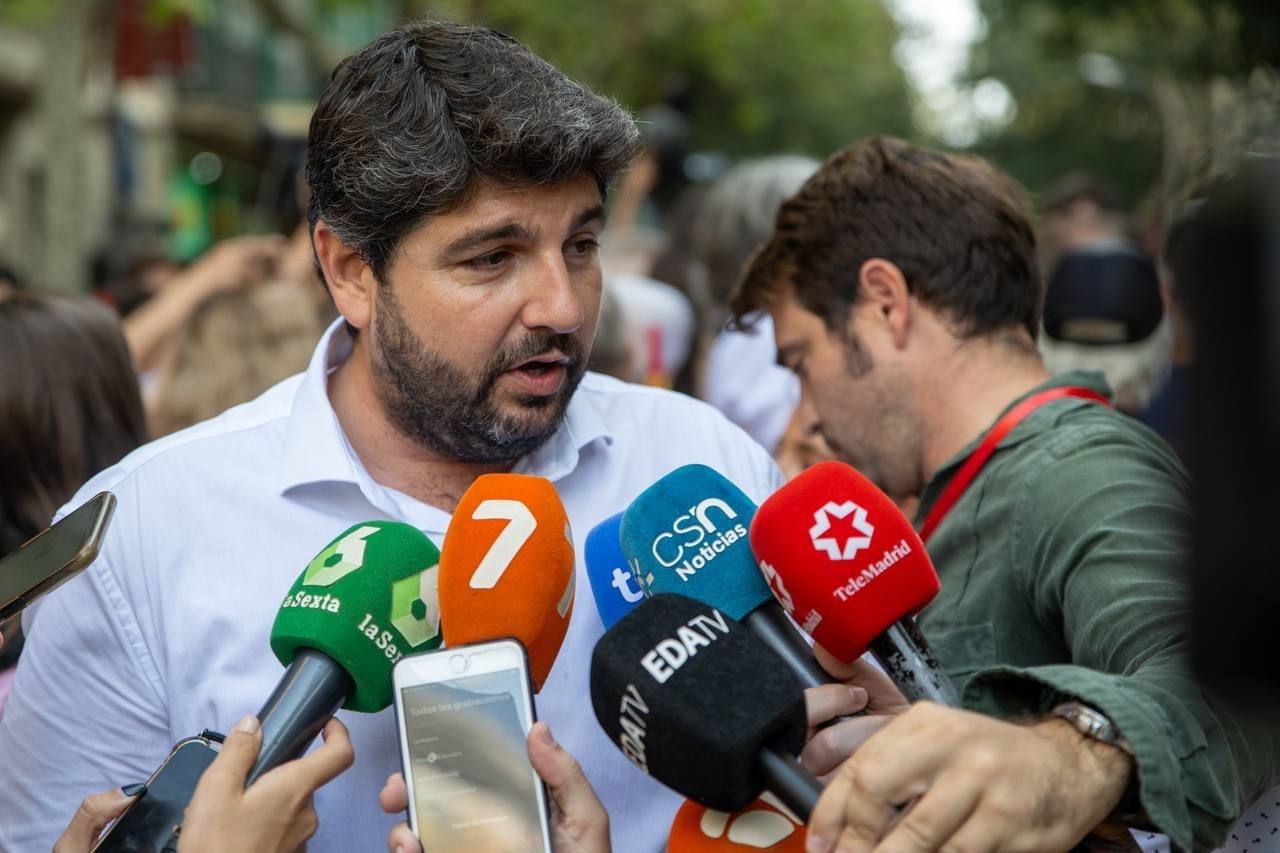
{"x": 166, "y": 634}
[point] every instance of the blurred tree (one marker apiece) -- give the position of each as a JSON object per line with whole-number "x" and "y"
{"x": 752, "y": 76}
{"x": 1118, "y": 88}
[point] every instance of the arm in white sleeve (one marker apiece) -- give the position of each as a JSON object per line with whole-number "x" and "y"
{"x": 86, "y": 712}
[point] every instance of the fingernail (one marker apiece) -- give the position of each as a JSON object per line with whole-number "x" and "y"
{"x": 544, "y": 735}
{"x": 248, "y": 725}
{"x": 135, "y": 789}
{"x": 859, "y": 694}
{"x": 400, "y": 849}
{"x": 816, "y": 844}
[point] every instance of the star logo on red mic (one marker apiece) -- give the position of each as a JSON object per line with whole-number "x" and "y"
{"x": 828, "y": 540}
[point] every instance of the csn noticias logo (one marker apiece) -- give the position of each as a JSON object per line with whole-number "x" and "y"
{"x": 827, "y": 541}
{"x": 704, "y": 532}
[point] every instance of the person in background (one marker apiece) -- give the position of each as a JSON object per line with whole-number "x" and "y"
{"x": 232, "y": 264}
{"x": 234, "y": 346}
{"x": 1079, "y": 210}
{"x": 10, "y": 281}
{"x": 1103, "y": 312}
{"x": 656, "y": 326}
{"x": 906, "y": 296}
{"x": 69, "y": 407}
{"x": 718, "y": 229}
{"x": 1166, "y": 411}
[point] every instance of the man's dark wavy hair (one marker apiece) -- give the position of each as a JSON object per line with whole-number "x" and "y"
{"x": 410, "y": 126}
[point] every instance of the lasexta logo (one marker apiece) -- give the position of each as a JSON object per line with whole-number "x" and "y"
{"x": 339, "y": 559}
{"x": 415, "y": 606}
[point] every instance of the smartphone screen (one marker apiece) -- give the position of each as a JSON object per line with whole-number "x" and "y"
{"x": 473, "y": 786}
{"x": 149, "y": 825}
{"x": 54, "y": 555}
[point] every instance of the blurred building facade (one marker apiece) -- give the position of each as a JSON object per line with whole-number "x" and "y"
{"x": 127, "y": 130}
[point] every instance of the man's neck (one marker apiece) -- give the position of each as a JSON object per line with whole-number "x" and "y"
{"x": 392, "y": 459}
{"x": 982, "y": 378}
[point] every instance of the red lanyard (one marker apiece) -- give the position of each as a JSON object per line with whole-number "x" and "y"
{"x": 969, "y": 470}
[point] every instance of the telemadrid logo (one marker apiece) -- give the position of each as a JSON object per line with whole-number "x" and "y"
{"x": 854, "y": 543}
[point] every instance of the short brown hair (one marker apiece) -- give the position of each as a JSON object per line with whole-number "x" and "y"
{"x": 955, "y": 226}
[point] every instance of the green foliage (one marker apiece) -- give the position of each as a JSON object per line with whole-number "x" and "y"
{"x": 1111, "y": 125}
{"x": 758, "y": 76}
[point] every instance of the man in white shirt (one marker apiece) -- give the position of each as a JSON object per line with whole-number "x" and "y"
{"x": 457, "y": 189}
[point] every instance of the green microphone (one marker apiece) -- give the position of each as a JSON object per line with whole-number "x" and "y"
{"x": 364, "y": 602}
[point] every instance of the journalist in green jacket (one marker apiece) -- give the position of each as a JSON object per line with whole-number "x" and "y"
{"x": 903, "y": 288}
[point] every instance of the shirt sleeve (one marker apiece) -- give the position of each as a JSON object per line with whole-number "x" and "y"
{"x": 84, "y": 715}
{"x": 1102, "y": 563}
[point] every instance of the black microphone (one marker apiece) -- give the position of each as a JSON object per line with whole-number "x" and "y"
{"x": 700, "y": 703}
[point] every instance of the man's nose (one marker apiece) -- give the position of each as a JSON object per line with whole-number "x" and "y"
{"x": 555, "y": 301}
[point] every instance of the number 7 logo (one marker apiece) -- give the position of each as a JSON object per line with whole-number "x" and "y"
{"x": 509, "y": 542}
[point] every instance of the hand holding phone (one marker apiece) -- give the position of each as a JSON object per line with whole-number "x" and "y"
{"x": 464, "y": 715}
{"x": 579, "y": 823}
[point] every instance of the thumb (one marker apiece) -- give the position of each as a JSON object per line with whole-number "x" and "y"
{"x": 95, "y": 812}
{"x": 236, "y": 757}
{"x": 567, "y": 784}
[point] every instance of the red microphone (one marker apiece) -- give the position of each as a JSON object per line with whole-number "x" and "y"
{"x": 507, "y": 568}
{"x": 849, "y": 568}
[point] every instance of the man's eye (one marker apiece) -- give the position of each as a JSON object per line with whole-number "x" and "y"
{"x": 493, "y": 259}
{"x": 585, "y": 246}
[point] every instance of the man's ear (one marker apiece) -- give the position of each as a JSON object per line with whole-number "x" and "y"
{"x": 350, "y": 280}
{"x": 883, "y": 288}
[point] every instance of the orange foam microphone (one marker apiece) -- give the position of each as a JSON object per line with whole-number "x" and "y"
{"x": 507, "y": 568}
{"x": 765, "y": 824}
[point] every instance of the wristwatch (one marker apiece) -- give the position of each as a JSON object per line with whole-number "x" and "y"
{"x": 1096, "y": 725}
{"x": 1092, "y": 723}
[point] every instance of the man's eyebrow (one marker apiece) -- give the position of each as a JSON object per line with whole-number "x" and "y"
{"x": 471, "y": 240}
{"x": 588, "y": 216}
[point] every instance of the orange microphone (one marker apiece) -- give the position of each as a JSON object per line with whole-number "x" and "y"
{"x": 765, "y": 824}
{"x": 507, "y": 568}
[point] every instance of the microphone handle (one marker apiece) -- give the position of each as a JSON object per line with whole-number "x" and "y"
{"x": 312, "y": 690}
{"x": 771, "y": 624}
{"x": 792, "y": 784}
{"x": 910, "y": 663}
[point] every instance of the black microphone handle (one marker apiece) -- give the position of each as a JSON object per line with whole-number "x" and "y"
{"x": 770, "y": 623}
{"x": 910, "y": 663}
{"x": 794, "y": 786}
{"x": 312, "y": 690}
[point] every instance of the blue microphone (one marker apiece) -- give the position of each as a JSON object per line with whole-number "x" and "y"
{"x": 687, "y": 534}
{"x": 615, "y": 589}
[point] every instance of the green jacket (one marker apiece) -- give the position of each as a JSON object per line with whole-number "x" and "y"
{"x": 1062, "y": 577}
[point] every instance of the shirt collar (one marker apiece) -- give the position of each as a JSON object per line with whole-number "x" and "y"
{"x": 1090, "y": 379}
{"x": 317, "y": 451}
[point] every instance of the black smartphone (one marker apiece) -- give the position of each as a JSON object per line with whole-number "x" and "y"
{"x": 51, "y": 558}
{"x": 151, "y": 824}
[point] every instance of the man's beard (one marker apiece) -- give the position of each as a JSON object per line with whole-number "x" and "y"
{"x": 450, "y": 411}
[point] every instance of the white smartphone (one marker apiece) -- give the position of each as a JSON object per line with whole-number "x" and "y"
{"x": 463, "y": 716}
